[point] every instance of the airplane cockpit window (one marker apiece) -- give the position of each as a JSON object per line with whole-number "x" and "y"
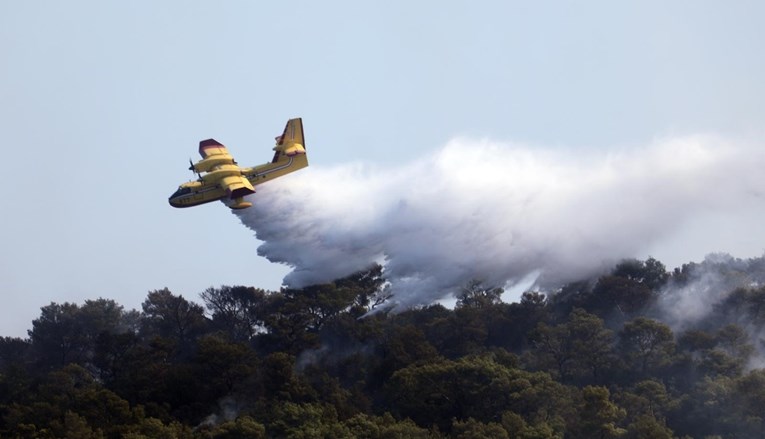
{"x": 181, "y": 191}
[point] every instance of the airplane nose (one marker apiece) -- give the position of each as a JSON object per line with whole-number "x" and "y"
{"x": 173, "y": 200}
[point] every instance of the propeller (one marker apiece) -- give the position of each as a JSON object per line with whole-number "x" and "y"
{"x": 191, "y": 168}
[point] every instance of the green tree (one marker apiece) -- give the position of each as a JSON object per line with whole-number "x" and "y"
{"x": 243, "y": 427}
{"x": 696, "y": 340}
{"x": 13, "y": 350}
{"x": 15, "y": 373}
{"x": 756, "y": 305}
{"x": 715, "y": 362}
{"x": 749, "y": 399}
{"x": 580, "y": 347}
{"x": 648, "y": 404}
{"x": 439, "y": 391}
{"x": 648, "y": 427}
{"x": 70, "y": 400}
{"x": 515, "y": 321}
{"x": 475, "y": 294}
{"x": 466, "y": 330}
{"x": 68, "y": 333}
{"x": 304, "y": 420}
{"x": 646, "y": 344}
{"x": 238, "y": 311}
{"x": 599, "y": 416}
{"x": 472, "y": 429}
{"x": 57, "y": 335}
{"x": 616, "y": 296}
{"x": 518, "y": 428}
{"x": 75, "y": 426}
{"x": 153, "y": 428}
{"x": 407, "y": 345}
{"x": 553, "y": 346}
{"x": 223, "y": 366}
{"x": 650, "y": 272}
{"x": 173, "y": 318}
{"x": 592, "y": 344}
{"x": 295, "y": 317}
{"x": 277, "y": 380}
{"x": 706, "y": 410}
{"x": 364, "y": 426}
{"x": 734, "y": 341}
{"x": 368, "y": 288}
{"x": 724, "y": 353}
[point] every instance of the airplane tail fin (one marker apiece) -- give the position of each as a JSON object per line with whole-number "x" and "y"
{"x": 289, "y": 155}
{"x": 291, "y": 142}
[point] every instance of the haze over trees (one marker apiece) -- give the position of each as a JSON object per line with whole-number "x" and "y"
{"x": 637, "y": 353}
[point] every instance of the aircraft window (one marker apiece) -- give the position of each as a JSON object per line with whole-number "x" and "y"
{"x": 182, "y": 191}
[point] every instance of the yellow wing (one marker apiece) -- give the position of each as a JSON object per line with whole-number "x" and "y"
{"x": 211, "y": 147}
{"x": 222, "y": 170}
{"x": 213, "y": 154}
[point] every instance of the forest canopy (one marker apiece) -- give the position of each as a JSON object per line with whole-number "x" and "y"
{"x": 639, "y": 352}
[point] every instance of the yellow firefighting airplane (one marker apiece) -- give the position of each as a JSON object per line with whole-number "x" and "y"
{"x": 220, "y": 178}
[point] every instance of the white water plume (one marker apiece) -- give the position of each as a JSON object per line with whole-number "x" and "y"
{"x": 497, "y": 212}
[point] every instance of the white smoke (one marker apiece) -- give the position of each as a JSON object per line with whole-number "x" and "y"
{"x": 496, "y": 212}
{"x": 687, "y": 303}
{"x": 229, "y": 410}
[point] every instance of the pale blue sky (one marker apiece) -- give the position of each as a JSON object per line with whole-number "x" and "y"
{"x": 104, "y": 102}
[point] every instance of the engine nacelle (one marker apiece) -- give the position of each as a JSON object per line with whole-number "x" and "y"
{"x": 221, "y": 172}
{"x": 205, "y": 165}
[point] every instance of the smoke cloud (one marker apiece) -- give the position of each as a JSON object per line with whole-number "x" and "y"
{"x": 496, "y": 212}
{"x": 686, "y": 304}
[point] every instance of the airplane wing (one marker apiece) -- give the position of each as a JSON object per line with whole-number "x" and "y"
{"x": 214, "y": 154}
{"x": 211, "y": 147}
{"x": 293, "y": 133}
{"x": 222, "y": 170}
{"x": 236, "y": 186}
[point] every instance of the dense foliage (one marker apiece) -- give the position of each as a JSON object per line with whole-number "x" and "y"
{"x": 638, "y": 353}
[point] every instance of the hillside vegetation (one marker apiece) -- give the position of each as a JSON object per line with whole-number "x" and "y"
{"x": 637, "y": 353}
